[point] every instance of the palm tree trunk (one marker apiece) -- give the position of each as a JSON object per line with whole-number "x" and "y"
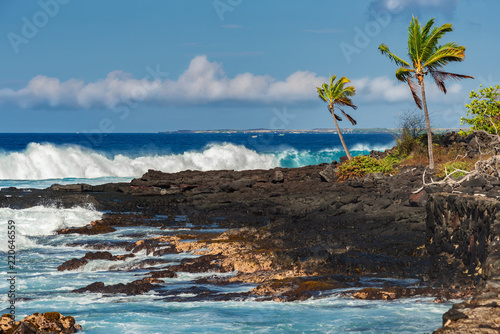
{"x": 427, "y": 125}
{"x": 341, "y": 138}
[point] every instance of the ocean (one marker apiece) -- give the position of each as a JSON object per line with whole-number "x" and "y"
{"x": 40, "y": 160}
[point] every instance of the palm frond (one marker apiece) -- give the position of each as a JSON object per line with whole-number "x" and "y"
{"x": 352, "y": 120}
{"x": 415, "y": 41}
{"x": 325, "y": 88}
{"x": 403, "y": 73}
{"x": 345, "y": 101}
{"x": 384, "y": 49}
{"x": 336, "y": 87}
{"x": 427, "y": 28}
{"x": 332, "y": 79}
{"x": 450, "y": 52}
{"x": 321, "y": 94}
{"x": 414, "y": 92}
{"x": 337, "y": 117}
{"x": 349, "y": 91}
{"x": 440, "y": 76}
{"x": 439, "y": 80}
{"x": 431, "y": 41}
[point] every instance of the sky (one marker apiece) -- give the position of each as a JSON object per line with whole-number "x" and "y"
{"x": 148, "y": 66}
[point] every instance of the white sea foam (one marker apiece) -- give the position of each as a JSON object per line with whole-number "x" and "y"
{"x": 293, "y": 158}
{"x": 48, "y": 161}
{"x": 369, "y": 147}
{"x": 40, "y": 220}
{"x": 74, "y": 163}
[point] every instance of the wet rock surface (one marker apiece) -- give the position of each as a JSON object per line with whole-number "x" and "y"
{"x": 478, "y": 315}
{"x": 283, "y": 223}
{"x": 136, "y": 287}
{"x": 39, "y": 323}
{"x": 74, "y": 264}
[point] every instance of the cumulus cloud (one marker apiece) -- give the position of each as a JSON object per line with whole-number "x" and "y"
{"x": 203, "y": 83}
{"x": 384, "y": 89}
{"x": 446, "y": 7}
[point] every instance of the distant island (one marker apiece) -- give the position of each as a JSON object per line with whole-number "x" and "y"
{"x": 317, "y": 130}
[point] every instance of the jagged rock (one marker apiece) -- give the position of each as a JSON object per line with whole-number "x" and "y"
{"x": 205, "y": 263}
{"x": 46, "y": 323}
{"x": 166, "y": 250}
{"x": 149, "y": 245}
{"x": 277, "y": 177}
{"x": 391, "y": 293}
{"x": 98, "y": 256}
{"x": 94, "y": 228}
{"x": 133, "y": 288}
{"x": 80, "y": 187}
{"x": 329, "y": 174}
{"x": 237, "y": 185}
{"x": 163, "y": 274}
{"x": 479, "y": 315}
{"x": 419, "y": 199}
{"x": 74, "y": 264}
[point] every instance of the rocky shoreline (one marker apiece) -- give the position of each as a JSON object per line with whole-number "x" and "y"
{"x": 298, "y": 233}
{"x": 49, "y": 322}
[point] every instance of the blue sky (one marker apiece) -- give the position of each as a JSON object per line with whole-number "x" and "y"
{"x": 149, "y": 66}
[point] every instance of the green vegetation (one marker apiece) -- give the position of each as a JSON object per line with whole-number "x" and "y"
{"x": 426, "y": 57}
{"x": 336, "y": 95}
{"x": 364, "y": 164}
{"x": 452, "y": 166}
{"x": 412, "y": 126}
{"x": 484, "y": 110}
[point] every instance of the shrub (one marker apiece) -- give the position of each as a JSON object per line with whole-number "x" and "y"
{"x": 451, "y": 166}
{"x": 411, "y": 126}
{"x": 364, "y": 164}
{"x": 483, "y": 110}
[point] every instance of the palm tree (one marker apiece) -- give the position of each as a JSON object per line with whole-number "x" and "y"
{"x": 427, "y": 57}
{"x": 336, "y": 95}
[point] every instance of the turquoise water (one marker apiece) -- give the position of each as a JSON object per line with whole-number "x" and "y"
{"x": 39, "y": 160}
{"x": 43, "y": 288}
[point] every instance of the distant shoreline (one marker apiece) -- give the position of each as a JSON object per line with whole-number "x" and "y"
{"x": 310, "y": 131}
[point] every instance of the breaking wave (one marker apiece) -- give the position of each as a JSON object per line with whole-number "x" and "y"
{"x": 48, "y": 161}
{"x": 53, "y": 162}
{"x": 40, "y": 221}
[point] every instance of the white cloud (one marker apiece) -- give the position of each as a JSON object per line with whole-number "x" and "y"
{"x": 203, "y": 83}
{"x": 381, "y": 89}
{"x": 384, "y": 89}
{"x": 446, "y": 7}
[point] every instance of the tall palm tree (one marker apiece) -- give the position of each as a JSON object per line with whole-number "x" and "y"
{"x": 336, "y": 95}
{"x": 427, "y": 57}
